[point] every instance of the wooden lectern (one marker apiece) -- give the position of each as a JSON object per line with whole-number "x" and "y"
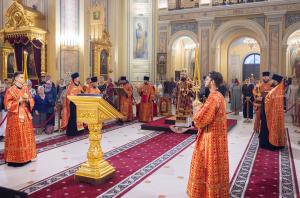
{"x": 119, "y": 91}
{"x": 94, "y": 110}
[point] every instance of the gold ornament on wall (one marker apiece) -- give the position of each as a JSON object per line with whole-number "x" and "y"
{"x": 16, "y": 17}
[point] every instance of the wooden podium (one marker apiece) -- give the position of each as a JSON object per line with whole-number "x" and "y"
{"x": 94, "y": 110}
{"x": 119, "y": 91}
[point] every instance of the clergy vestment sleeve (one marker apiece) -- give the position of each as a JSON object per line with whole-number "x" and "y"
{"x": 206, "y": 115}
{"x": 139, "y": 90}
{"x": 152, "y": 94}
{"x": 129, "y": 91}
{"x": 10, "y": 103}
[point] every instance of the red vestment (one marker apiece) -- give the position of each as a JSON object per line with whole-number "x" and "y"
{"x": 209, "y": 172}
{"x": 73, "y": 90}
{"x": 262, "y": 88}
{"x": 275, "y": 115}
{"x": 126, "y": 103}
{"x": 147, "y": 92}
{"x": 20, "y": 144}
{"x": 93, "y": 90}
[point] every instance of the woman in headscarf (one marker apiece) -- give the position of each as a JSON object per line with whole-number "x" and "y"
{"x": 102, "y": 85}
{"x": 60, "y": 88}
{"x": 39, "y": 110}
{"x": 110, "y": 92}
{"x": 51, "y": 94}
{"x": 236, "y": 97}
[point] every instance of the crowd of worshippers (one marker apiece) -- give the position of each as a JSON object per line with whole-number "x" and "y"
{"x": 46, "y": 97}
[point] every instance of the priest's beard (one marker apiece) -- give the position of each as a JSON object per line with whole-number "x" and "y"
{"x": 183, "y": 79}
{"x": 265, "y": 81}
{"x": 273, "y": 85}
{"x": 146, "y": 83}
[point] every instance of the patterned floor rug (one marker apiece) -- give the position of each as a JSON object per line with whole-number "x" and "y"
{"x": 264, "y": 173}
{"x": 62, "y": 139}
{"x": 133, "y": 162}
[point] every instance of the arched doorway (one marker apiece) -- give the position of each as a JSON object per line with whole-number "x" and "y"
{"x": 183, "y": 56}
{"x": 251, "y": 66}
{"x": 242, "y": 55}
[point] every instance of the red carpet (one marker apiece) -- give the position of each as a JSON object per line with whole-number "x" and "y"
{"x": 131, "y": 165}
{"x": 264, "y": 173}
{"x": 63, "y": 139}
{"x": 162, "y": 125}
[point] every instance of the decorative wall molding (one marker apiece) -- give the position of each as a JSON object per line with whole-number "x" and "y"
{"x": 274, "y": 49}
{"x": 242, "y": 24}
{"x": 163, "y": 27}
{"x": 219, "y": 23}
{"x": 274, "y": 14}
{"x": 291, "y": 19}
{"x": 190, "y": 26}
{"x": 204, "y": 25}
{"x": 271, "y": 20}
{"x": 232, "y": 10}
{"x": 260, "y": 20}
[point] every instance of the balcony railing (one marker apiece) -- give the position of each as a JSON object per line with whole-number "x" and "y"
{"x": 178, "y": 5}
{"x": 230, "y": 2}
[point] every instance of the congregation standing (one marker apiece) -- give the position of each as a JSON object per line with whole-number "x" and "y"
{"x": 212, "y": 113}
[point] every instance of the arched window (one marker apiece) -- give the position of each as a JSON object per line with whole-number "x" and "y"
{"x": 251, "y": 65}
{"x": 252, "y": 59}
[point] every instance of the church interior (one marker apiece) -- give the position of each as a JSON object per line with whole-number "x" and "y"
{"x": 157, "y": 39}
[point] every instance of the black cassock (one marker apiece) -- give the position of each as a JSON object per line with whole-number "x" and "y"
{"x": 72, "y": 123}
{"x": 264, "y": 131}
{"x": 247, "y": 92}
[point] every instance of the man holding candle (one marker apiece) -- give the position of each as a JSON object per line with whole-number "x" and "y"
{"x": 20, "y": 145}
{"x": 261, "y": 87}
{"x": 183, "y": 94}
{"x": 209, "y": 172}
{"x": 272, "y": 133}
{"x": 147, "y": 93}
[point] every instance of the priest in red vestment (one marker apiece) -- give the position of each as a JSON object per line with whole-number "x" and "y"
{"x": 93, "y": 87}
{"x": 272, "y": 133}
{"x": 263, "y": 87}
{"x": 147, "y": 93}
{"x": 209, "y": 172}
{"x": 69, "y": 118}
{"x": 20, "y": 147}
{"x": 126, "y": 100}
